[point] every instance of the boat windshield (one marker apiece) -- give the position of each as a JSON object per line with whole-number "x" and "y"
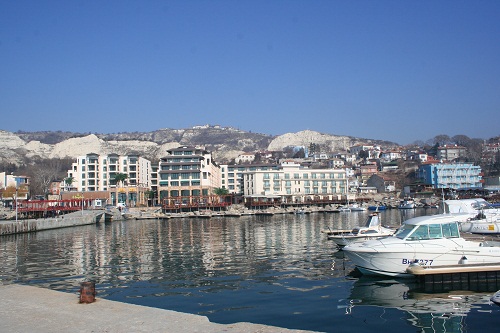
{"x": 428, "y": 231}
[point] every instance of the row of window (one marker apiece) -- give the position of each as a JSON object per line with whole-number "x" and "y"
{"x": 183, "y": 175}
{"x": 180, "y": 183}
{"x": 164, "y": 167}
{"x": 305, "y": 176}
{"x": 111, "y": 161}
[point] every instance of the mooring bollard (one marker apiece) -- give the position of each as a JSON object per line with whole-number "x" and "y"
{"x": 87, "y": 292}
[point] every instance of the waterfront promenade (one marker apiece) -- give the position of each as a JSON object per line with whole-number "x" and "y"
{"x": 32, "y": 309}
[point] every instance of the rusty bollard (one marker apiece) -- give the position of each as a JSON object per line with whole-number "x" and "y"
{"x": 87, "y": 292}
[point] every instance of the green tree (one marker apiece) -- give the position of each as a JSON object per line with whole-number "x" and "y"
{"x": 221, "y": 191}
{"x": 120, "y": 178}
{"x": 68, "y": 181}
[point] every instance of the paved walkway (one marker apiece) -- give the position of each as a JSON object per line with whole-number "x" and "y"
{"x": 28, "y": 309}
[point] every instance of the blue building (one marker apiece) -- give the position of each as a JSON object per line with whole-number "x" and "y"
{"x": 450, "y": 175}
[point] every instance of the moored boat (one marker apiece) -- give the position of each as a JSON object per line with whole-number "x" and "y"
{"x": 425, "y": 240}
{"x": 484, "y": 218}
{"x": 373, "y": 229}
{"x": 407, "y": 204}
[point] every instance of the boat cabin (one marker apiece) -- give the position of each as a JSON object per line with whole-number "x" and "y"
{"x": 428, "y": 230}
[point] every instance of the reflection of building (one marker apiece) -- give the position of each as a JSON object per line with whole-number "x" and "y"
{"x": 187, "y": 172}
{"x": 293, "y": 183}
{"x": 94, "y": 172}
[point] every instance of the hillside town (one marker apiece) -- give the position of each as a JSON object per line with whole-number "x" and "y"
{"x": 190, "y": 178}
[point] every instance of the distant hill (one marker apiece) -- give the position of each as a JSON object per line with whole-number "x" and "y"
{"x": 225, "y": 142}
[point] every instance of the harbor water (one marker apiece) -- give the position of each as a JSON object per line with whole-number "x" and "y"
{"x": 276, "y": 270}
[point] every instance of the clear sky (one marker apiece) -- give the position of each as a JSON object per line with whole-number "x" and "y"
{"x": 392, "y": 70}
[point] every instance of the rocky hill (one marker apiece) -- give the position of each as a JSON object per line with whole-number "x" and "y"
{"x": 225, "y": 142}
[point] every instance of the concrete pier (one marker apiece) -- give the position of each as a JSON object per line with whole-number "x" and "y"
{"x": 83, "y": 217}
{"x": 32, "y": 309}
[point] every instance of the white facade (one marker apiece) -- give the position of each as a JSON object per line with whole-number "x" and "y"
{"x": 295, "y": 182}
{"x": 94, "y": 172}
{"x": 187, "y": 172}
{"x": 245, "y": 158}
{"x": 232, "y": 175}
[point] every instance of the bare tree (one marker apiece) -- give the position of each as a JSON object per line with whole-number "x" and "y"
{"x": 461, "y": 140}
{"x": 441, "y": 139}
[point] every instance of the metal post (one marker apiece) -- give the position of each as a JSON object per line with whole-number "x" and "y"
{"x": 16, "y": 202}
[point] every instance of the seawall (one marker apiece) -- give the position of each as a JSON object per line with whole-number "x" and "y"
{"x": 84, "y": 217}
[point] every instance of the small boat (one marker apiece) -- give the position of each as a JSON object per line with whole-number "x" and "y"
{"x": 264, "y": 213}
{"x": 344, "y": 209}
{"x": 301, "y": 211}
{"x": 357, "y": 208}
{"x": 407, "y": 204}
{"x": 372, "y": 230}
{"x": 425, "y": 240}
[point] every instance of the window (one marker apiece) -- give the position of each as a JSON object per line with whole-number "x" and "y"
{"x": 435, "y": 231}
{"x": 450, "y": 230}
{"x": 421, "y": 232}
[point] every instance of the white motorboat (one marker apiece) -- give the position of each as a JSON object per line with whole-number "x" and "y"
{"x": 407, "y": 204}
{"x": 484, "y": 218}
{"x": 473, "y": 207}
{"x": 427, "y": 240}
{"x": 373, "y": 229}
{"x": 357, "y": 208}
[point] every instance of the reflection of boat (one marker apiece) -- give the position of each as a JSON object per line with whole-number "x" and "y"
{"x": 377, "y": 207}
{"x": 373, "y": 229}
{"x": 496, "y": 298}
{"x": 427, "y": 240}
{"x": 440, "y": 312}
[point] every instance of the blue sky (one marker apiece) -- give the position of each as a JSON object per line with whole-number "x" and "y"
{"x": 392, "y": 70}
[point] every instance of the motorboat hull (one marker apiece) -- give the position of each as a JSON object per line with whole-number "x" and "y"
{"x": 394, "y": 260}
{"x": 480, "y": 227}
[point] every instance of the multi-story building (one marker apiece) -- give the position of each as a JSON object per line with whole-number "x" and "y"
{"x": 232, "y": 175}
{"x": 94, "y": 172}
{"x": 187, "y": 173}
{"x": 21, "y": 184}
{"x": 450, "y": 152}
{"x": 450, "y": 175}
{"x": 293, "y": 183}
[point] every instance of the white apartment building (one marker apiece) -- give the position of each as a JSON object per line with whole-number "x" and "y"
{"x": 94, "y": 172}
{"x": 232, "y": 175}
{"x": 294, "y": 183}
{"x": 187, "y": 172}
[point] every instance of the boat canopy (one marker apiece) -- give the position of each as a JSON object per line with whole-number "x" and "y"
{"x": 413, "y": 232}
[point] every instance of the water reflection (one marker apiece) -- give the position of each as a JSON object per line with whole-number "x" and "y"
{"x": 278, "y": 270}
{"x": 437, "y": 312}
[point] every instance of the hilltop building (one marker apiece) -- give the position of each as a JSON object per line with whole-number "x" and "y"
{"x": 450, "y": 175}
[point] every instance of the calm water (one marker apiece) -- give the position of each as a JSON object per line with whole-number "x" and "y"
{"x": 278, "y": 270}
